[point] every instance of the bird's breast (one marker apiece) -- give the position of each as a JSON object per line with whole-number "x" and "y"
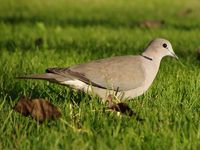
{"x": 151, "y": 70}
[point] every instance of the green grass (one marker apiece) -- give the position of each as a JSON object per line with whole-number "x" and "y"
{"x": 84, "y": 30}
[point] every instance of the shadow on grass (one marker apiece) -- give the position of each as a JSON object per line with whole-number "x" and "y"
{"x": 83, "y": 22}
{"x": 77, "y": 22}
{"x": 52, "y": 92}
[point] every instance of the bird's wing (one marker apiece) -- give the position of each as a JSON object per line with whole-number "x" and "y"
{"x": 118, "y": 73}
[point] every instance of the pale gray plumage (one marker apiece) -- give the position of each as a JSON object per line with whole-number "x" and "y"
{"x": 130, "y": 75}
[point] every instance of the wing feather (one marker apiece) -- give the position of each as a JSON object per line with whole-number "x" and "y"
{"x": 118, "y": 73}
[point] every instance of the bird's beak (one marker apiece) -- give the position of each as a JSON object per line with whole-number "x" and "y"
{"x": 173, "y": 55}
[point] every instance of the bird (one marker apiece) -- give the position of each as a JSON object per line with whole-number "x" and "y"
{"x": 124, "y": 77}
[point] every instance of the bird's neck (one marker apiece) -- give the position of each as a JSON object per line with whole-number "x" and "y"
{"x": 153, "y": 55}
{"x": 151, "y": 66}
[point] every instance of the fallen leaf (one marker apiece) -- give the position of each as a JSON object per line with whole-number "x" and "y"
{"x": 39, "y": 109}
{"x": 123, "y": 108}
{"x": 185, "y": 12}
{"x": 120, "y": 107}
{"x": 151, "y": 23}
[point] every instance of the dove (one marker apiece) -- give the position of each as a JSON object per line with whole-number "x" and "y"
{"x": 125, "y": 77}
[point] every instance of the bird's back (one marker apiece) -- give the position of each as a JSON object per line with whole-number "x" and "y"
{"x": 122, "y": 72}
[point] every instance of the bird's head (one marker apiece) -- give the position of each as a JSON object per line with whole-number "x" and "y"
{"x": 160, "y": 48}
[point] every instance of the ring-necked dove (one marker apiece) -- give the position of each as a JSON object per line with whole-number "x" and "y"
{"x": 125, "y": 76}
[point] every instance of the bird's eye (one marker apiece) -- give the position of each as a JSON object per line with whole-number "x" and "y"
{"x": 165, "y": 45}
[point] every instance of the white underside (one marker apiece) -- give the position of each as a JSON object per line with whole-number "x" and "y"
{"x": 76, "y": 84}
{"x": 79, "y": 85}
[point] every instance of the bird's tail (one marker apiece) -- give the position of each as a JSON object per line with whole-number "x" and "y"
{"x": 46, "y": 76}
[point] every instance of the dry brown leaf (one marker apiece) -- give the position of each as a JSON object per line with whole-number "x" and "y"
{"x": 120, "y": 107}
{"x": 123, "y": 108}
{"x": 151, "y": 23}
{"x": 39, "y": 109}
{"x": 185, "y": 12}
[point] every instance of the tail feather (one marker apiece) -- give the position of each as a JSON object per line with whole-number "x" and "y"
{"x": 47, "y": 76}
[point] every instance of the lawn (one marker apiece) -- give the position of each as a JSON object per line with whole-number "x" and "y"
{"x": 38, "y": 34}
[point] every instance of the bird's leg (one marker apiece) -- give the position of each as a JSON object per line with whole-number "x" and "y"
{"x": 110, "y": 98}
{"x": 110, "y": 101}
